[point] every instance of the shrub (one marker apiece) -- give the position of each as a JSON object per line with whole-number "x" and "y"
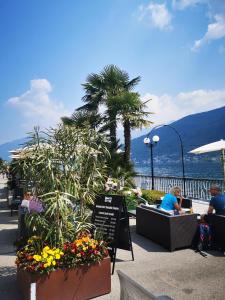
{"x": 151, "y": 195}
{"x": 131, "y": 202}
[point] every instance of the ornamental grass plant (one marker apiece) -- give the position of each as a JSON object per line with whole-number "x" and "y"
{"x": 66, "y": 167}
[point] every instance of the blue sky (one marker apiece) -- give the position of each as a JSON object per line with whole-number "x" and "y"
{"x": 49, "y": 47}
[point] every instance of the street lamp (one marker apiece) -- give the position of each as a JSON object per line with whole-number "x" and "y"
{"x": 181, "y": 146}
{"x": 151, "y": 143}
{"x": 182, "y": 156}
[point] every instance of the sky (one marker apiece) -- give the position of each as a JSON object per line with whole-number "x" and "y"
{"x": 48, "y": 48}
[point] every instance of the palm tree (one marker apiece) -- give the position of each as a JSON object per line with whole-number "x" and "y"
{"x": 130, "y": 109}
{"x": 82, "y": 119}
{"x": 100, "y": 88}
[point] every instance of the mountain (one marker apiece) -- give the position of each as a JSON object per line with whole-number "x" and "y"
{"x": 195, "y": 130}
{"x": 5, "y": 148}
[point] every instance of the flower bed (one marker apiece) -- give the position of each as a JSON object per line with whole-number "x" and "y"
{"x": 80, "y": 283}
{"x": 78, "y": 270}
{"x": 83, "y": 251}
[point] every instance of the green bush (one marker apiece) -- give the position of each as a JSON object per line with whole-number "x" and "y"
{"x": 131, "y": 202}
{"x": 151, "y": 195}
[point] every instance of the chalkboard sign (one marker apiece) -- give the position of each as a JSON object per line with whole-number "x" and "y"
{"x": 111, "y": 218}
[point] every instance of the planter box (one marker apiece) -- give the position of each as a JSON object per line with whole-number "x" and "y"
{"x": 84, "y": 282}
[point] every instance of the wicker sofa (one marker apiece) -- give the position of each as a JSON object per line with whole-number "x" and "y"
{"x": 171, "y": 232}
{"x": 218, "y": 228}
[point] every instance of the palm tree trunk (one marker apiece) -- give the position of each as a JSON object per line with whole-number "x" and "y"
{"x": 127, "y": 140}
{"x": 112, "y": 130}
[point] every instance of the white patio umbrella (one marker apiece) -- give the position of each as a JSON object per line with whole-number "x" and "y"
{"x": 216, "y": 146}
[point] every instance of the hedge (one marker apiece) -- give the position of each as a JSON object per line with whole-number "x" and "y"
{"x": 151, "y": 195}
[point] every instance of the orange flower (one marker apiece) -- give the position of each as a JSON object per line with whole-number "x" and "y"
{"x": 85, "y": 239}
{"x": 78, "y": 243}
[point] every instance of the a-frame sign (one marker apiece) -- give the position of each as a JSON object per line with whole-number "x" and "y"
{"x": 111, "y": 218}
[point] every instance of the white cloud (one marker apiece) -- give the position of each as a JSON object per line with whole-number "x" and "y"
{"x": 36, "y": 105}
{"x": 183, "y": 4}
{"x": 215, "y": 31}
{"x": 169, "y": 108}
{"x": 157, "y": 15}
{"x": 216, "y": 14}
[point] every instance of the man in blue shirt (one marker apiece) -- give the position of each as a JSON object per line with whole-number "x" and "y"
{"x": 217, "y": 201}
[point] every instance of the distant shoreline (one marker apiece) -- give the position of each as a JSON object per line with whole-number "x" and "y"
{"x": 201, "y": 170}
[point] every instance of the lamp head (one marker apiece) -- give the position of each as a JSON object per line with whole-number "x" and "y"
{"x": 155, "y": 138}
{"x": 146, "y": 141}
{"x": 119, "y": 151}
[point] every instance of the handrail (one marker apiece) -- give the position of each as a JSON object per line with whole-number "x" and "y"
{"x": 178, "y": 177}
{"x": 196, "y": 188}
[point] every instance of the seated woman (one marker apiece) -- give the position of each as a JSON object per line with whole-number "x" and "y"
{"x": 169, "y": 202}
{"x": 26, "y": 200}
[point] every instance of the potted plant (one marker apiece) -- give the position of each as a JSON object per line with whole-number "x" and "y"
{"x": 78, "y": 270}
{"x": 64, "y": 257}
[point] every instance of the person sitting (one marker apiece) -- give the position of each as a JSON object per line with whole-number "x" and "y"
{"x": 217, "y": 201}
{"x": 26, "y": 200}
{"x": 35, "y": 205}
{"x": 170, "y": 203}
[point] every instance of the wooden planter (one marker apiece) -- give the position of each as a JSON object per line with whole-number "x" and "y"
{"x": 84, "y": 282}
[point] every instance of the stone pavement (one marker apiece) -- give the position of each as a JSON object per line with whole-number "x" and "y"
{"x": 182, "y": 274}
{"x": 8, "y": 234}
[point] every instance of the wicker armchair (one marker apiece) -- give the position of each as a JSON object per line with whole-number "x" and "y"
{"x": 218, "y": 228}
{"x": 171, "y": 232}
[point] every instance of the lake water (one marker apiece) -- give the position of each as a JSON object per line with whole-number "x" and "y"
{"x": 201, "y": 169}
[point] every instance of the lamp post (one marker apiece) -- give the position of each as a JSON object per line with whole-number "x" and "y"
{"x": 151, "y": 143}
{"x": 182, "y": 156}
{"x": 182, "y": 150}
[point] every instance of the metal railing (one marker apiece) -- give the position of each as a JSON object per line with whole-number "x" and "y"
{"x": 196, "y": 188}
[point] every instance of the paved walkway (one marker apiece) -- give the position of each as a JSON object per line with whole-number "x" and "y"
{"x": 182, "y": 274}
{"x": 8, "y": 234}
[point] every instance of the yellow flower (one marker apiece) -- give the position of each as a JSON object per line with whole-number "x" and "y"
{"x": 49, "y": 259}
{"x": 85, "y": 248}
{"x": 45, "y": 255}
{"x": 37, "y": 257}
{"x": 46, "y": 248}
{"x": 45, "y": 265}
{"x": 61, "y": 253}
{"x": 57, "y": 256}
{"x": 53, "y": 262}
{"x": 51, "y": 252}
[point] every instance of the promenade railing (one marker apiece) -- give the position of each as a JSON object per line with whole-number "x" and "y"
{"x": 196, "y": 188}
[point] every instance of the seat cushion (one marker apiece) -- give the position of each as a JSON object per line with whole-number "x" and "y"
{"x": 160, "y": 211}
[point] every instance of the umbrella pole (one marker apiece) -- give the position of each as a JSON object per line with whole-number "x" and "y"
{"x": 223, "y": 165}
